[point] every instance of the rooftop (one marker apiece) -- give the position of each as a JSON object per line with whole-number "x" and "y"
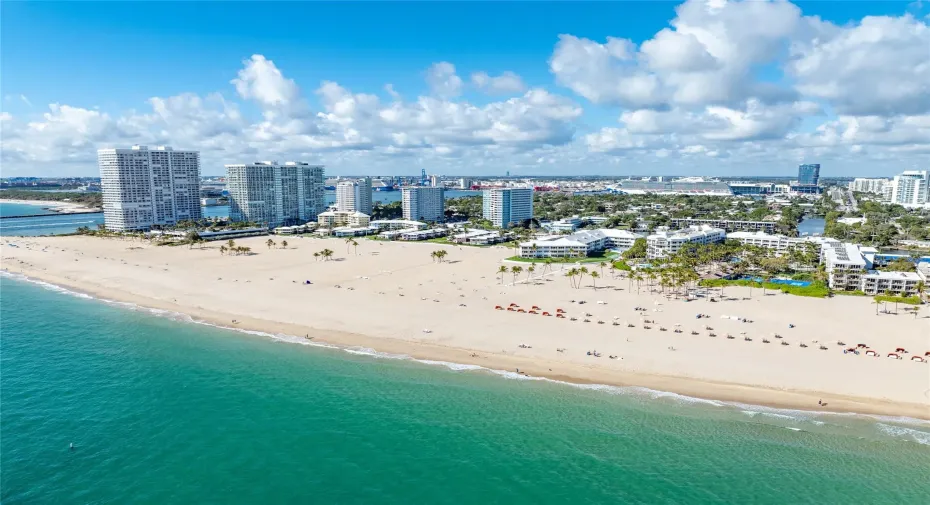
{"x": 907, "y": 276}
{"x": 842, "y": 252}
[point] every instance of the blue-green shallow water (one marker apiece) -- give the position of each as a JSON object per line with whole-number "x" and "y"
{"x": 162, "y": 411}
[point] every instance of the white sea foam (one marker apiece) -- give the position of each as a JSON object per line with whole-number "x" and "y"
{"x": 458, "y": 367}
{"x": 909, "y": 434}
{"x": 893, "y": 429}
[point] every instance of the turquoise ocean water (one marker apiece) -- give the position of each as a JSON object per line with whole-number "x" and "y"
{"x": 52, "y": 224}
{"x": 62, "y": 224}
{"x": 163, "y": 410}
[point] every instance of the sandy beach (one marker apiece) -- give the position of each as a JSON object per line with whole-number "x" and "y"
{"x": 392, "y": 297}
{"x": 56, "y": 206}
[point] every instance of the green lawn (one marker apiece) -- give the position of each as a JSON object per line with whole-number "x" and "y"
{"x": 815, "y": 290}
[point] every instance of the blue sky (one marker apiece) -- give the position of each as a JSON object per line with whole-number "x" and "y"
{"x": 113, "y": 57}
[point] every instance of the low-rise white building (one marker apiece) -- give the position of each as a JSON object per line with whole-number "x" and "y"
{"x": 414, "y": 235}
{"x": 666, "y": 243}
{"x": 292, "y": 230}
{"x": 398, "y": 224}
{"x": 579, "y": 244}
{"x": 780, "y": 244}
{"x": 897, "y": 283}
{"x": 353, "y": 231}
{"x": 481, "y": 237}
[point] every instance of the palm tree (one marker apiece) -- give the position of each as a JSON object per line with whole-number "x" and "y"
{"x": 348, "y": 244}
{"x": 231, "y": 243}
{"x": 355, "y": 247}
{"x": 594, "y": 276}
{"x": 269, "y": 243}
{"x": 192, "y": 238}
{"x": 502, "y": 270}
{"x": 284, "y": 244}
{"x": 571, "y": 273}
{"x": 316, "y": 256}
{"x": 921, "y": 286}
{"x": 327, "y": 253}
{"x": 581, "y": 273}
{"x": 602, "y": 265}
{"x": 517, "y": 270}
{"x": 548, "y": 265}
{"x": 432, "y": 256}
{"x": 441, "y": 255}
{"x": 529, "y": 271}
{"x": 222, "y": 249}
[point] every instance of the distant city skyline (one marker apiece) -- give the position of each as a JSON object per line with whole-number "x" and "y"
{"x": 701, "y": 87}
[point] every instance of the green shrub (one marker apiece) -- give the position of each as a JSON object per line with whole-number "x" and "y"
{"x": 911, "y": 300}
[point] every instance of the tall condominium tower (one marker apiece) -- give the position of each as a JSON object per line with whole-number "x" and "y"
{"x": 809, "y": 175}
{"x": 911, "y": 187}
{"x": 274, "y": 195}
{"x": 507, "y": 206}
{"x": 145, "y": 187}
{"x": 354, "y": 196}
{"x": 423, "y": 203}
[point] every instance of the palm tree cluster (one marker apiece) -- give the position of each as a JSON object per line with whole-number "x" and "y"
{"x": 237, "y": 250}
{"x": 350, "y": 242}
{"x": 325, "y": 255}
{"x": 439, "y": 255}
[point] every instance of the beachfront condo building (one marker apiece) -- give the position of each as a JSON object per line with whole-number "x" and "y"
{"x": 898, "y": 283}
{"x": 354, "y": 196}
{"x": 505, "y": 207}
{"x": 336, "y": 218}
{"x": 666, "y": 243}
{"x": 423, "y": 203}
{"x": 273, "y": 195}
{"x": 845, "y": 265}
{"x": 580, "y": 244}
{"x": 912, "y": 187}
{"x": 145, "y": 188}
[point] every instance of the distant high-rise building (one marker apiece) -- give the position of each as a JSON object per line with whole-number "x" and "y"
{"x": 888, "y": 191}
{"x": 145, "y": 187}
{"x": 423, "y": 203}
{"x": 809, "y": 175}
{"x": 354, "y": 196}
{"x": 464, "y": 183}
{"x": 911, "y": 187}
{"x": 868, "y": 185}
{"x": 275, "y": 195}
{"x": 434, "y": 181}
{"x": 507, "y": 206}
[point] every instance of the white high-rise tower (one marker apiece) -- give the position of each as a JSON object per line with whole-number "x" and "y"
{"x": 145, "y": 187}
{"x": 354, "y": 196}
{"x": 275, "y": 195}
{"x": 911, "y": 187}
